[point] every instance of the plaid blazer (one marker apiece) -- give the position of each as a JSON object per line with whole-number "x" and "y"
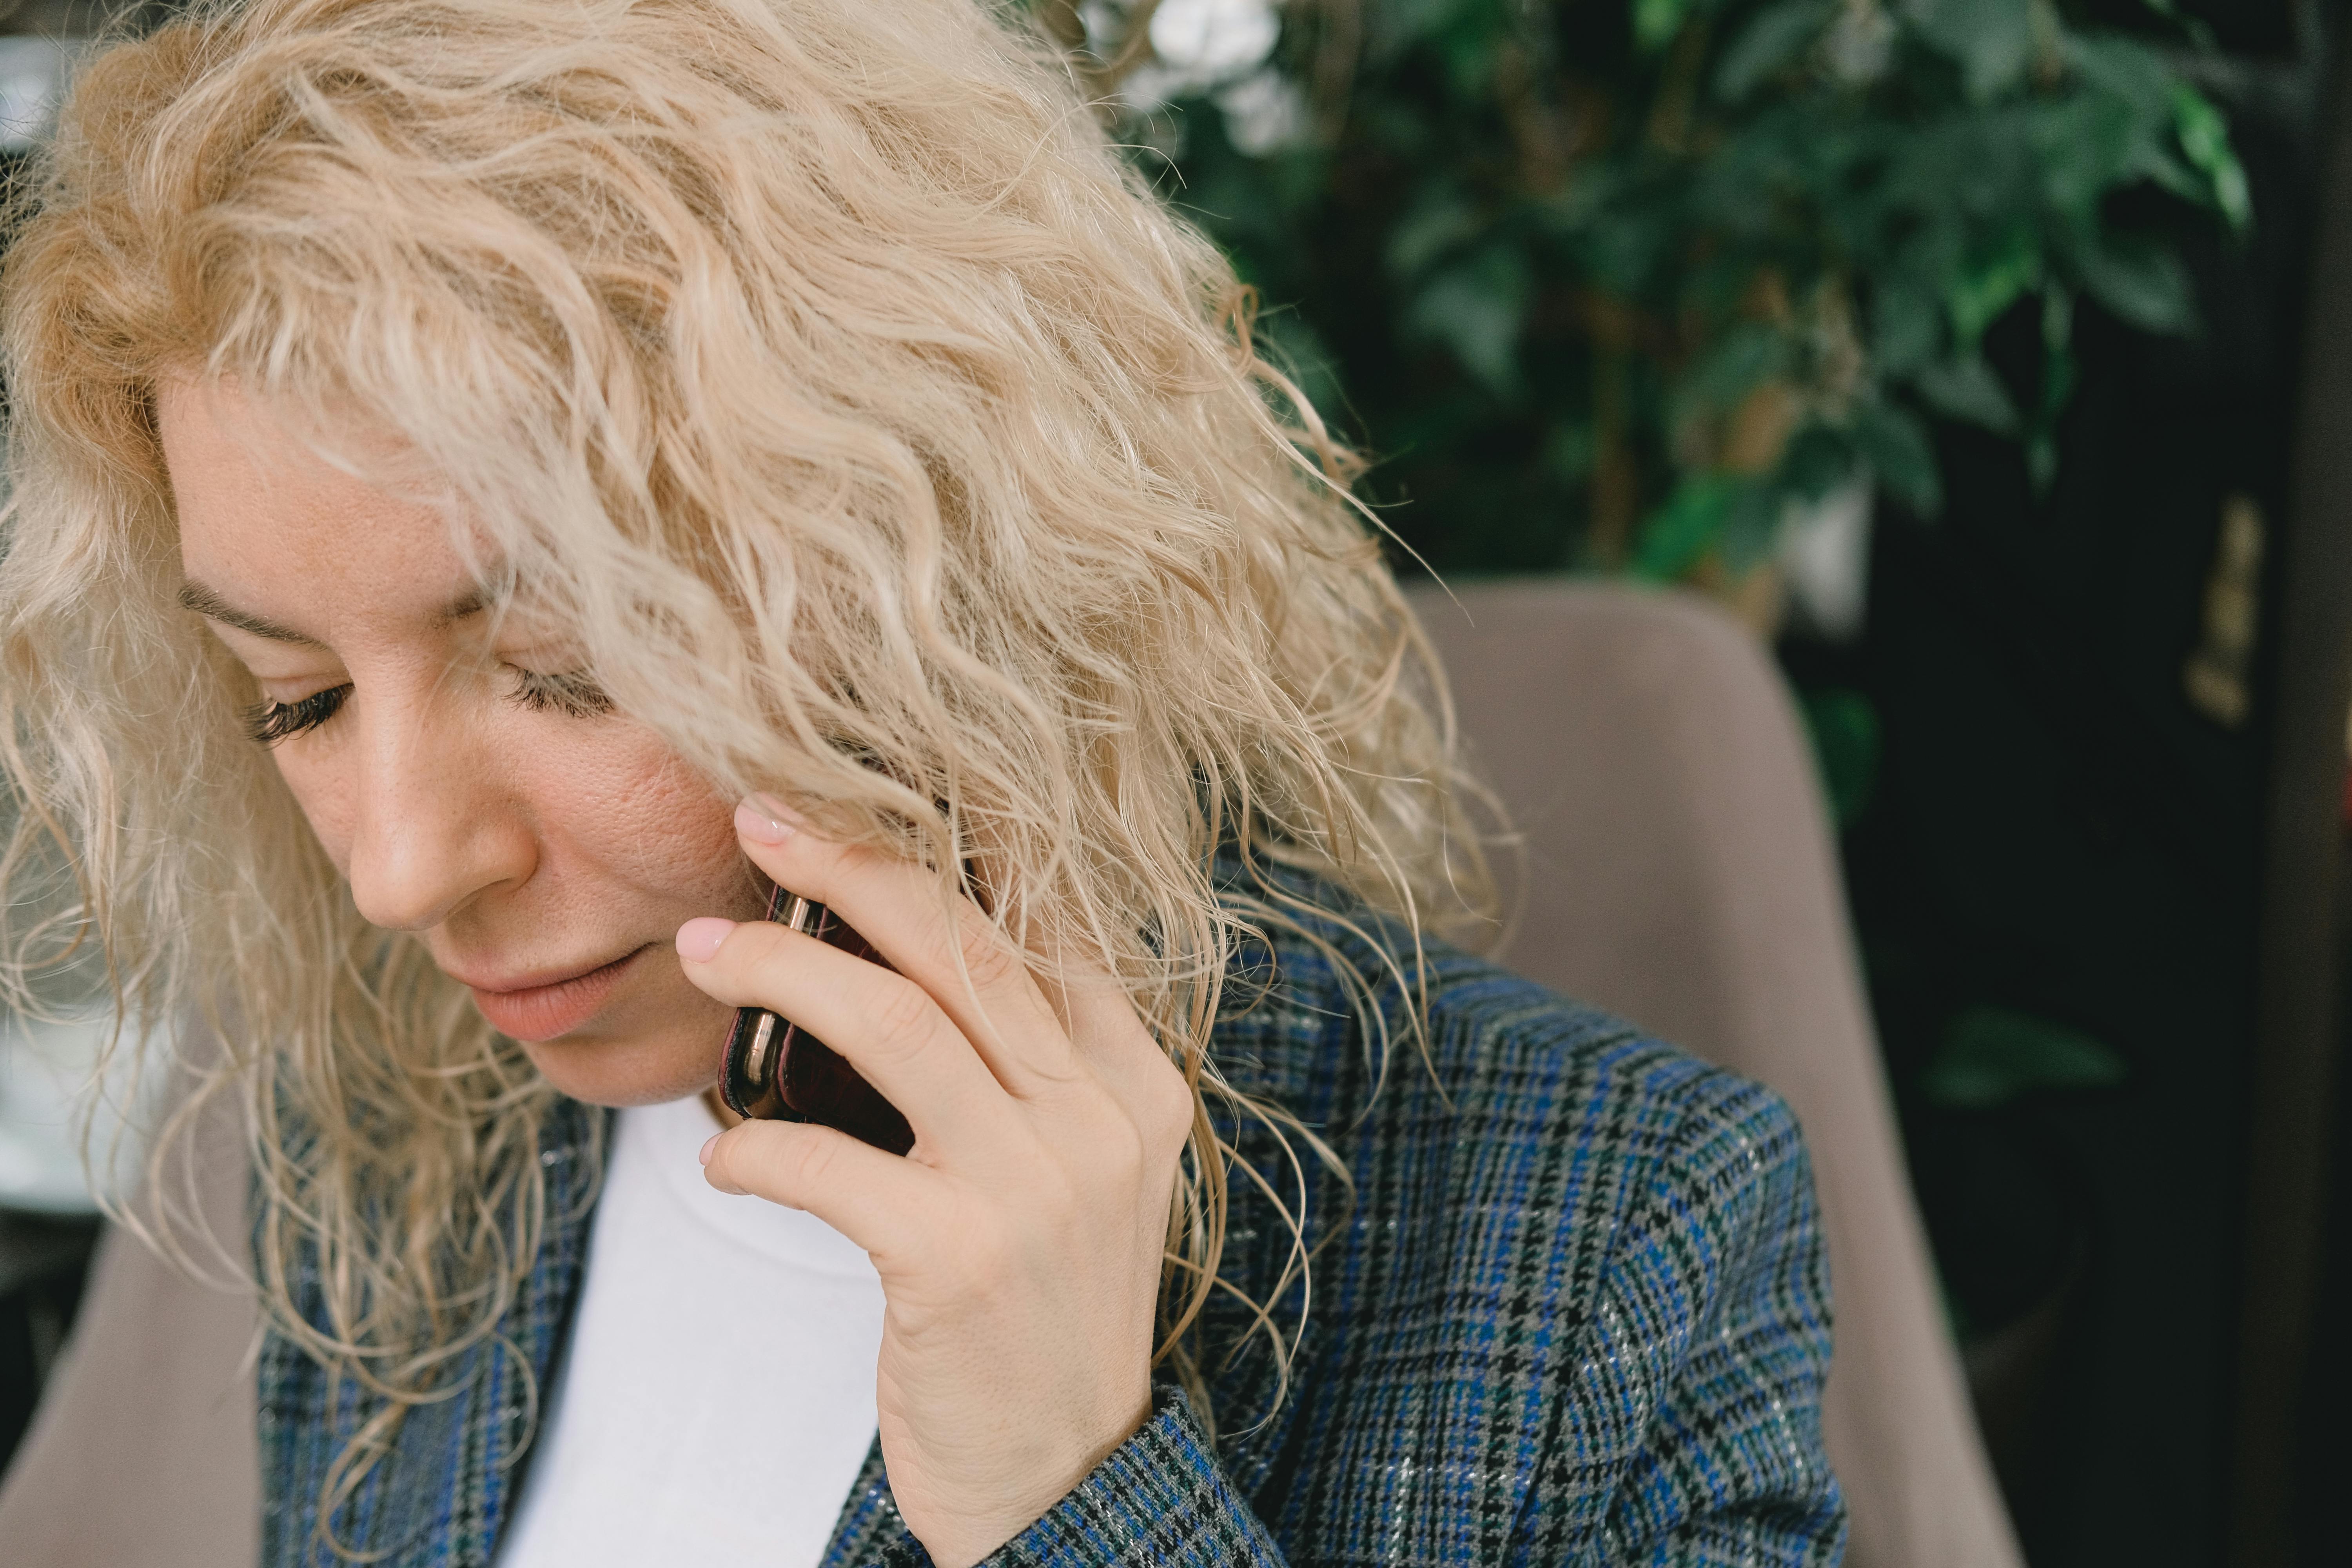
{"x": 1575, "y": 1311}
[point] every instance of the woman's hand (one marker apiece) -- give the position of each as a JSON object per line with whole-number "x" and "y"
{"x": 1019, "y": 1242}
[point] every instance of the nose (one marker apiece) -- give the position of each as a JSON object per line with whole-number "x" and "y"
{"x": 431, "y": 826}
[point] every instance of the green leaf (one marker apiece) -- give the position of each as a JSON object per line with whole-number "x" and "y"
{"x": 1967, "y": 389}
{"x": 2205, "y": 139}
{"x": 1568, "y": 452}
{"x": 1397, "y": 23}
{"x": 1819, "y": 458}
{"x": 1750, "y": 527}
{"x": 1977, "y": 297}
{"x": 1655, "y": 22}
{"x": 2197, "y": 31}
{"x": 1475, "y": 307}
{"x": 1897, "y": 448}
{"x": 1732, "y": 366}
{"x": 1679, "y": 532}
{"x": 1991, "y": 1055}
{"x": 2057, "y": 318}
{"x": 2147, "y": 287}
{"x": 2059, "y": 373}
{"x": 2124, "y": 68}
{"x": 1778, "y": 37}
{"x": 2088, "y": 143}
{"x": 1437, "y": 223}
{"x": 1990, "y": 40}
{"x": 1844, "y": 729}
{"x": 1906, "y": 331}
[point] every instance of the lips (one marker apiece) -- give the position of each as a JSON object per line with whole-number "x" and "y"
{"x": 551, "y": 1009}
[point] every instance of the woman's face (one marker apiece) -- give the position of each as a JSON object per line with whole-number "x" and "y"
{"x": 545, "y": 852}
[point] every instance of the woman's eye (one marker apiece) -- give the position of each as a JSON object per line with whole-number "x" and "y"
{"x": 270, "y": 722}
{"x": 569, "y": 692}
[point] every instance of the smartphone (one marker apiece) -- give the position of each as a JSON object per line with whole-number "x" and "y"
{"x": 777, "y": 1071}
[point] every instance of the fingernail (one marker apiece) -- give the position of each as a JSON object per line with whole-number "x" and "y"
{"x": 699, "y": 939}
{"x": 707, "y": 1145}
{"x": 763, "y": 820}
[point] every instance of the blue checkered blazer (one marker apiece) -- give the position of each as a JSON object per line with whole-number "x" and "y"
{"x": 1575, "y": 1311}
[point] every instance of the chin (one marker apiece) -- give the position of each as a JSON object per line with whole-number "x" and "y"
{"x": 637, "y": 1069}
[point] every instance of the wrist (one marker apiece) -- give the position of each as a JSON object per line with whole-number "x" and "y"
{"x": 971, "y": 1534}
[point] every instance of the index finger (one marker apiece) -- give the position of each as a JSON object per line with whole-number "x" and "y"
{"x": 936, "y": 938}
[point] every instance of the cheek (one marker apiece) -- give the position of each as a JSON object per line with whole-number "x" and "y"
{"x": 324, "y": 790}
{"x": 645, "y": 820}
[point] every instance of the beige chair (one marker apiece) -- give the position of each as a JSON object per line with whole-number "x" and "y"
{"x": 142, "y": 1454}
{"x": 1679, "y": 872}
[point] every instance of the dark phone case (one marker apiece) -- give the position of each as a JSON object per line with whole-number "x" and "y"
{"x": 777, "y": 1071}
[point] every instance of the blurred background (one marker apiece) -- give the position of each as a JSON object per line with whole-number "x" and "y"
{"x": 1991, "y": 362}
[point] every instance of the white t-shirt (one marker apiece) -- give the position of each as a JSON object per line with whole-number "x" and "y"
{"x": 716, "y": 1399}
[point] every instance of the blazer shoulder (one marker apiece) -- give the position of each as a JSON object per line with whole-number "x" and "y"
{"x": 1452, "y": 1084}
{"x": 1561, "y": 1240}
{"x": 1524, "y": 1070}
{"x": 1507, "y": 1047}
{"x": 1360, "y": 1013}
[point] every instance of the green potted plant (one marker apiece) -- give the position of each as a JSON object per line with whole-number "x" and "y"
{"x": 1646, "y": 285}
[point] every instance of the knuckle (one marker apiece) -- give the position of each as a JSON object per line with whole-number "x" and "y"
{"x": 1162, "y": 1106}
{"x": 809, "y": 1159}
{"x": 903, "y": 1018}
{"x": 806, "y": 863}
{"x": 1172, "y": 1110}
{"x": 832, "y": 866}
{"x": 989, "y": 960}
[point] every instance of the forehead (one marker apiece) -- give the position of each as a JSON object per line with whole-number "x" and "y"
{"x": 270, "y": 524}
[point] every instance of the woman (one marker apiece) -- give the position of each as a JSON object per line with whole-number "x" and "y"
{"x": 499, "y": 485}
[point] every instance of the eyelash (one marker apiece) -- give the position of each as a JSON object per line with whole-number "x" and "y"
{"x": 270, "y": 722}
{"x": 570, "y": 693}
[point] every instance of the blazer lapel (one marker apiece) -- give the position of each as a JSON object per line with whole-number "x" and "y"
{"x": 504, "y": 1404}
{"x": 441, "y": 1495}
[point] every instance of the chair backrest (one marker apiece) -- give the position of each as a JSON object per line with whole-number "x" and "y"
{"x": 143, "y": 1453}
{"x": 1677, "y": 870}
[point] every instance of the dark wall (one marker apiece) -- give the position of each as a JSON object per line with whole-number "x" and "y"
{"x": 2057, "y": 832}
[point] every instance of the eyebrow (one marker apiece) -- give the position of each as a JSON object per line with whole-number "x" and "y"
{"x": 207, "y": 602}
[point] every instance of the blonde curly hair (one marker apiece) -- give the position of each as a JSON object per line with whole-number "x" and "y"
{"x": 889, "y": 445}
